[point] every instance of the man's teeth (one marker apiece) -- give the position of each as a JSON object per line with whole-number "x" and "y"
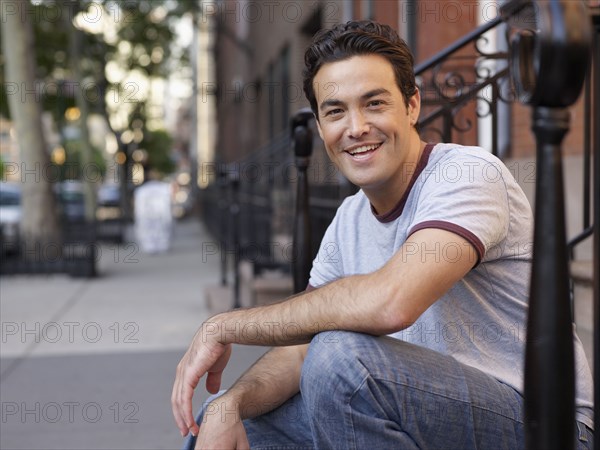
{"x": 363, "y": 149}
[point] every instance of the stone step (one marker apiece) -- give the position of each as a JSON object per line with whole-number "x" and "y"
{"x": 582, "y": 271}
{"x": 218, "y": 298}
{"x": 272, "y": 289}
{"x": 264, "y": 289}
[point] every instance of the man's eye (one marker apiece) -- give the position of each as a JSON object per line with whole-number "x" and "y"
{"x": 376, "y": 102}
{"x": 333, "y": 112}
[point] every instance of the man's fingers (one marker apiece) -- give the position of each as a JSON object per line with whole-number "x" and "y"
{"x": 195, "y": 429}
{"x": 197, "y": 361}
{"x": 175, "y": 403}
{"x": 186, "y": 408}
{"x": 181, "y": 397}
{"x": 222, "y": 361}
{"x": 213, "y": 382}
{"x": 189, "y": 382}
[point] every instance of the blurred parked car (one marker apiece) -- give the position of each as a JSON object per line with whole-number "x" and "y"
{"x": 109, "y": 223}
{"x": 108, "y": 202}
{"x": 109, "y": 195}
{"x": 10, "y": 216}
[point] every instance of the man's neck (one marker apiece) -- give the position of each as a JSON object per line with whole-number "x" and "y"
{"x": 384, "y": 198}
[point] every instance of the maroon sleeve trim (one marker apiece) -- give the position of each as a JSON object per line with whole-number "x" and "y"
{"x": 456, "y": 229}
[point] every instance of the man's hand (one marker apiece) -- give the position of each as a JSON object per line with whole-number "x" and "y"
{"x": 206, "y": 355}
{"x": 221, "y": 428}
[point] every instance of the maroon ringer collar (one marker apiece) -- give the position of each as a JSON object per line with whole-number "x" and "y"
{"x": 396, "y": 211}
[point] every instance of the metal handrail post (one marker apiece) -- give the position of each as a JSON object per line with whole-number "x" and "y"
{"x": 302, "y": 143}
{"x": 560, "y": 38}
{"x": 596, "y": 244}
{"x": 550, "y": 361}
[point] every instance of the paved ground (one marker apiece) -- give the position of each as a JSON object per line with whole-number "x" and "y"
{"x": 89, "y": 364}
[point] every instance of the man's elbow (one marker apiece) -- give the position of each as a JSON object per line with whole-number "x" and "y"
{"x": 395, "y": 315}
{"x": 397, "y": 321}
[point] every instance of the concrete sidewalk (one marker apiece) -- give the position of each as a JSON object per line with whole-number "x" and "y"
{"x": 89, "y": 364}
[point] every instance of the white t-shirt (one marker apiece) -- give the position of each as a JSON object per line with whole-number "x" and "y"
{"x": 481, "y": 320}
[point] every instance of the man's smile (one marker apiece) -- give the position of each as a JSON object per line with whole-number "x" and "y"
{"x": 362, "y": 151}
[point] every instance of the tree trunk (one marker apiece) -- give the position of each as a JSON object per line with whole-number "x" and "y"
{"x": 39, "y": 225}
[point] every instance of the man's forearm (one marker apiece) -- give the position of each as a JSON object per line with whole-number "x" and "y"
{"x": 346, "y": 304}
{"x": 385, "y": 301}
{"x": 271, "y": 381}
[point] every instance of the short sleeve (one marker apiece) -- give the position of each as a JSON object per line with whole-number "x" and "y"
{"x": 466, "y": 195}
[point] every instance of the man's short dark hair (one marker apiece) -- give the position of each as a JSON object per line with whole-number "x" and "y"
{"x": 355, "y": 38}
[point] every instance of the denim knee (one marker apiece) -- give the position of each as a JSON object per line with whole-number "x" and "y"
{"x": 332, "y": 361}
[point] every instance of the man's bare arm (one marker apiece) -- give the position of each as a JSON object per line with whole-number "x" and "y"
{"x": 385, "y": 301}
{"x": 271, "y": 381}
{"x": 379, "y": 303}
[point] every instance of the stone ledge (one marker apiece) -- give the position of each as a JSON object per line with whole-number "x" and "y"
{"x": 253, "y": 292}
{"x": 272, "y": 289}
{"x": 218, "y": 298}
{"x": 582, "y": 271}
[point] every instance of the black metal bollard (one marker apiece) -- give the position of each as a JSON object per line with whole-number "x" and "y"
{"x": 80, "y": 249}
{"x": 596, "y": 220}
{"x": 302, "y": 145}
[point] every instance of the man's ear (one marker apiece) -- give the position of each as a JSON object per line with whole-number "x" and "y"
{"x": 414, "y": 106}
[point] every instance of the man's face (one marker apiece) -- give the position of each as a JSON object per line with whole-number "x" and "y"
{"x": 366, "y": 127}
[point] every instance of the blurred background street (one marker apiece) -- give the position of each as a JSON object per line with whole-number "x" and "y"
{"x": 89, "y": 363}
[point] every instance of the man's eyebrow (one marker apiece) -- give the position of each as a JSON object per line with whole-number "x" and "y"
{"x": 330, "y": 102}
{"x": 367, "y": 95}
{"x": 375, "y": 93}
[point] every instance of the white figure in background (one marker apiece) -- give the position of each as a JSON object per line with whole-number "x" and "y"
{"x": 153, "y": 217}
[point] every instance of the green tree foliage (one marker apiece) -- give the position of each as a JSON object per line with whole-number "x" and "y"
{"x": 73, "y": 168}
{"x": 137, "y": 36}
{"x": 157, "y": 145}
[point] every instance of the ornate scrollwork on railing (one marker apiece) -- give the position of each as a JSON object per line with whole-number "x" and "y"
{"x": 485, "y": 107}
{"x": 450, "y": 83}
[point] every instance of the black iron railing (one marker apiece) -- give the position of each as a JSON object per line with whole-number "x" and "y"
{"x": 594, "y": 92}
{"x": 451, "y": 82}
{"x": 248, "y": 207}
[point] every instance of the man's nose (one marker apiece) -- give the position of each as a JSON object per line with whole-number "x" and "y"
{"x": 358, "y": 125}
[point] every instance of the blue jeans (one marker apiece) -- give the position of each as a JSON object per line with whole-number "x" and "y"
{"x": 363, "y": 392}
